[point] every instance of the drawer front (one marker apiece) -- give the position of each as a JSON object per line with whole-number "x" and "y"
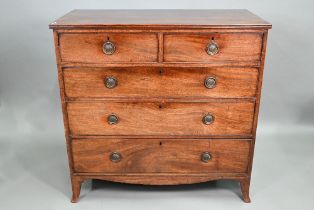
{"x": 88, "y": 48}
{"x": 139, "y": 118}
{"x": 232, "y": 48}
{"x": 160, "y": 156}
{"x": 160, "y": 82}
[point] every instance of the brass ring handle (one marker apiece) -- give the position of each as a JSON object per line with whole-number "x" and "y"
{"x": 108, "y": 48}
{"x": 212, "y": 48}
{"x": 110, "y": 82}
{"x": 115, "y": 157}
{"x": 208, "y": 119}
{"x": 205, "y": 157}
{"x": 112, "y": 119}
{"x": 210, "y": 82}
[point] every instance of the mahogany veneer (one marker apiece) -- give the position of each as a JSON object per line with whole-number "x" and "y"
{"x": 151, "y": 118}
{"x": 229, "y": 156}
{"x": 142, "y": 82}
{"x": 234, "y": 47}
{"x": 160, "y": 97}
{"x": 133, "y": 47}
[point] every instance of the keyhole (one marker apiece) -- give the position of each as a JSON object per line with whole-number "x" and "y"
{"x": 160, "y": 106}
{"x": 161, "y": 72}
{"x": 160, "y": 143}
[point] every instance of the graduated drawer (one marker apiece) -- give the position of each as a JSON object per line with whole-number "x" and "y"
{"x": 150, "y": 118}
{"x": 89, "y": 47}
{"x": 225, "y": 48}
{"x": 160, "y": 82}
{"x": 160, "y": 156}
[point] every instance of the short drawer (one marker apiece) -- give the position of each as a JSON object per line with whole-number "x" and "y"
{"x": 213, "y": 48}
{"x": 160, "y": 82}
{"x": 108, "y": 48}
{"x": 167, "y": 118}
{"x": 160, "y": 156}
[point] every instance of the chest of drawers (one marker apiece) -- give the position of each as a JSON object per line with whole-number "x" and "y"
{"x": 160, "y": 97}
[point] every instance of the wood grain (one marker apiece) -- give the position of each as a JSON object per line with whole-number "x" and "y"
{"x": 129, "y": 19}
{"x": 162, "y": 178}
{"x": 160, "y": 118}
{"x": 245, "y": 184}
{"x": 160, "y": 156}
{"x": 150, "y": 82}
{"x": 155, "y": 178}
{"x": 87, "y": 48}
{"x": 245, "y": 187}
{"x": 233, "y": 47}
{"x": 64, "y": 112}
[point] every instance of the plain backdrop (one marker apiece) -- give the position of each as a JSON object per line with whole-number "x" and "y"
{"x": 33, "y": 162}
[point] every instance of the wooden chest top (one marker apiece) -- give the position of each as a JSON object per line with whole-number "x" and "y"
{"x": 160, "y": 19}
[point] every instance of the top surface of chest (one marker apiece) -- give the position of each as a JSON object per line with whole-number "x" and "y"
{"x": 160, "y": 19}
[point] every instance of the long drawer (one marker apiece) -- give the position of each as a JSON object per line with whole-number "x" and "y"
{"x": 164, "y": 118}
{"x": 160, "y": 156}
{"x": 160, "y": 82}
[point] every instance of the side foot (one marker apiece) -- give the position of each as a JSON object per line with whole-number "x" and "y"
{"x": 245, "y": 189}
{"x": 76, "y": 188}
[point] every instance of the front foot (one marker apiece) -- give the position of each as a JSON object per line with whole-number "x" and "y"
{"x": 245, "y": 187}
{"x": 76, "y": 188}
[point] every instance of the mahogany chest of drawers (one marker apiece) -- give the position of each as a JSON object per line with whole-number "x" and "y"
{"x": 160, "y": 97}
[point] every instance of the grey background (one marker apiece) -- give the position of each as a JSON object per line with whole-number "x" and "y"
{"x": 33, "y": 162}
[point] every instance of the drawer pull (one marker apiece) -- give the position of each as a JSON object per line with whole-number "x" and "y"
{"x": 110, "y": 82}
{"x": 210, "y": 82}
{"x": 205, "y": 157}
{"x": 115, "y": 157}
{"x": 212, "y": 48}
{"x": 108, "y": 48}
{"x": 113, "y": 119}
{"x": 208, "y": 119}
